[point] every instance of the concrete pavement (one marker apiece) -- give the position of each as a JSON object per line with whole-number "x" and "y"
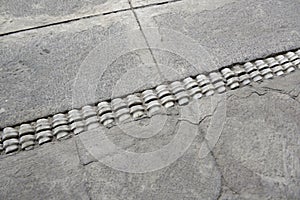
{"x": 246, "y": 143}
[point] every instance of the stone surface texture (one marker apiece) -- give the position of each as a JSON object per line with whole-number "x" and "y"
{"x": 220, "y": 31}
{"x": 20, "y": 15}
{"x": 53, "y": 172}
{"x": 229, "y": 31}
{"x": 247, "y": 141}
{"x": 40, "y": 67}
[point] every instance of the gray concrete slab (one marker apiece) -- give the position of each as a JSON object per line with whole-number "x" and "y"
{"x": 227, "y": 31}
{"x": 199, "y": 38}
{"x": 255, "y": 155}
{"x": 39, "y": 68}
{"x": 258, "y": 151}
{"x": 17, "y": 15}
{"x": 188, "y": 177}
{"x": 246, "y": 143}
{"x": 52, "y": 172}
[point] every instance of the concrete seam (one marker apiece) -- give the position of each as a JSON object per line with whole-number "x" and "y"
{"x": 147, "y": 42}
{"x": 85, "y": 17}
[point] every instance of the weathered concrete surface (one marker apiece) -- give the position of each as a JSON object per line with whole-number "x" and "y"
{"x": 255, "y": 157}
{"x": 258, "y": 152}
{"x": 229, "y": 31}
{"x": 17, "y": 15}
{"x": 188, "y": 177}
{"x": 59, "y": 51}
{"x": 50, "y": 172}
{"x": 39, "y": 67}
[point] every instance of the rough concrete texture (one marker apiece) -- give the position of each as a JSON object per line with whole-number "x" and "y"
{"x": 255, "y": 157}
{"x": 60, "y": 50}
{"x": 187, "y": 178}
{"x": 258, "y": 151}
{"x": 202, "y": 32}
{"x": 247, "y": 143}
{"x": 39, "y": 67}
{"x": 230, "y": 31}
{"x": 52, "y": 172}
{"x": 19, "y": 15}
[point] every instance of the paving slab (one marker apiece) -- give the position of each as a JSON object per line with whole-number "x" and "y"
{"x": 227, "y": 31}
{"x": 243, "y": 144}
{"x": 188, "y": 177}
{"x": 74, "y": 171}
{"x": 185, "y": 177}
{"x": 255, "y": 154}
{"x": 53, "y": 172}
{"x": 258, "y": 150}
{"x": 18, "y": 15}
{"x": 60, "y": 51}
{"x": 39, "y": 68}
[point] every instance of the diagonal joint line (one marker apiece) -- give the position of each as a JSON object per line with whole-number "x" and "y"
{"x": 163, "y": 79}
{"x": 84, "y": 17}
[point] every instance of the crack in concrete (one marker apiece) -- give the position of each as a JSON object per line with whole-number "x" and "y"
{"x": 163, "y": 79}
{"x": 279, "y": 91}
{"x": 223, "y": 181}
{"x": 247, "y": 96}
{"x": 261, "y": 91}
{"x": 81, "y": 162}
{"x": 87, "y": 17}
{"x": 195, "y": 123}
{"x": 203, "y": 118}
{"x": 265, "y": 90}
{"x": 82, "y": 167}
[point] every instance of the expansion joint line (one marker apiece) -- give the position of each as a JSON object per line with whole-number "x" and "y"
{"x": 147, "y": 103}
{"x": 146, "y": 40}
{"x": 86, "y": 17}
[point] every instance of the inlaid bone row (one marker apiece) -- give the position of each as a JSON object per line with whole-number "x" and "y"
{"x": 146, "y": 103}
